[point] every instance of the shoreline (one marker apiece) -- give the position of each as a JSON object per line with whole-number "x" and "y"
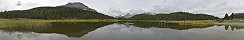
{"x": 193, "y": 22}
{"x": 71, "y": 20}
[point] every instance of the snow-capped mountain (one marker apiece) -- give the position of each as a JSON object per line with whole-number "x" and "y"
{"x": 114, "y": 13}
{"x": 121, "y": 14}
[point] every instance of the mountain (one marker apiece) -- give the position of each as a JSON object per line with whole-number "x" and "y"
{"x": 173, "y": 16}
{"x": 128, "y": 15}
{"x": 123, "y": 14}
{"x": 79, "y": 6}
{"x": 59, "y": 12}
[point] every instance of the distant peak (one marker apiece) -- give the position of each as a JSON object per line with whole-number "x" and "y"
{"x": 78, "y": 5}
{"x": 18, "y": 3}
{"x": 75, "y": 2}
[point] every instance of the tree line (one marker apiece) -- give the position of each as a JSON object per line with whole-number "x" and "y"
{"x": 174, "y": 16}
{"x": 234, "y": 16}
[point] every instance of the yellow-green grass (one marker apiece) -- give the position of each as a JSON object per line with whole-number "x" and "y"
{"x": 185, "y": 22}
{"x": 70, "y": 20}
{"x": 13, "y": 23}
{"x": 182, "y": 22}
{"x": 146, "y": 20}
{"x": 195, "y": 22}
{"x": 22, "y": 23}
{"x": 235, "y": 21}
{"x": 38, "y": 22}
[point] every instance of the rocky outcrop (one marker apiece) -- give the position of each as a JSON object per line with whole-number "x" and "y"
{"x": 79, "y": 6}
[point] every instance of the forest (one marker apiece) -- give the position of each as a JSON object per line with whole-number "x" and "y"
{"x": 234, "y": 16}
{"x": 174, "y": 16}
{"x": 53, "y": 13}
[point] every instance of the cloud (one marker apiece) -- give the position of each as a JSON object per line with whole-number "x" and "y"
{"x": 212, "y": 7}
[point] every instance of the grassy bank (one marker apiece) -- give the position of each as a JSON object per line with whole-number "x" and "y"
{"x": 17, "y": 23}
{"x": 71, "y": 20}
{"x": 109, "y": 20}
{"x": 21, "y": 23}
{"x": 196, "y": 22}
{"x": 180, "y": 22}
{"x": 235, "y": 21}
{"x": 38, "y": 22}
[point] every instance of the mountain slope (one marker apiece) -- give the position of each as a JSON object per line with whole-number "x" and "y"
{"x": 54, "y": 13}
{"x": 79, "y": 6}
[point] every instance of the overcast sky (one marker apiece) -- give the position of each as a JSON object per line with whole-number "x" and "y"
{"x": 212, "y": 7}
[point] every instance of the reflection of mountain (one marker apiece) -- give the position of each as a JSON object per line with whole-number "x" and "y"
{"x": 233, "y": 27}
{"x": 169, "y": 25}
{"x": 125, "y": 31}
{"x": 80, "y": 29}
{"x": 130, "y": 32}
{"x": 69, "y": 29}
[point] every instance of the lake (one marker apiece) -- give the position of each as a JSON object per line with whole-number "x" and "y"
{"x": 119, "y": 31}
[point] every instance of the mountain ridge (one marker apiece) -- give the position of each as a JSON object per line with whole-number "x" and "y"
{"x": 78, "y": 5}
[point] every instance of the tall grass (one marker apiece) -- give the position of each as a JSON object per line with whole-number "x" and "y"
{"x": 10, "y": 23}
{"x": 21, "y": 23}
{"x": 235, "y": 21}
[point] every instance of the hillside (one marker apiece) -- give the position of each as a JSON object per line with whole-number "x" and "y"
{"x": 54, "y": 13}
{"x": 173, "y": 16}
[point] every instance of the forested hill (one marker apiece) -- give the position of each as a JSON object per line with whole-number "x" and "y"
{"x": 54, "y": 13}
{"x": 174, "y": 16}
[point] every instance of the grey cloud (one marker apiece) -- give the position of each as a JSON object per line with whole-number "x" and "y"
{"x": 213, "y": 7}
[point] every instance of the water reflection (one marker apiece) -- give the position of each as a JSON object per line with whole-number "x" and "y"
{"x": 69, "y": 29}
{"x": 123, "y": 31}
{"x": 233, "y": 27}
{"x": 170, "y": 25}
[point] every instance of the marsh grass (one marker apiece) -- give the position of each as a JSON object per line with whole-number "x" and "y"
{"x": 235, "y": 21}
{"x": 195, "y": 22}
{"x": 79, "y": 20}
{"x": 21, "y": 23}
{"x": 10, "y": 23}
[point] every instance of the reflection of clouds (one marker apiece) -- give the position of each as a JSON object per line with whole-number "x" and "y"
{"x": 130, "y": 32}
{"x": 119, "y": 31}
{"x": 32, "y": 36}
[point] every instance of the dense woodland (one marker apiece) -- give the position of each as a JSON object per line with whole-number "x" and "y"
{"x": 54, "y": 13}
{"x": 174, "y": 16}
{"x": 234, "y": 16}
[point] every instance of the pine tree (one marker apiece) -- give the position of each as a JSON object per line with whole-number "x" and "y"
{"x": 226, "y": 17}
{"x": 232, "y": 16}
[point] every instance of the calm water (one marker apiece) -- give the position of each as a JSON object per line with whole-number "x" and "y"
{"x": 121, "y": 31}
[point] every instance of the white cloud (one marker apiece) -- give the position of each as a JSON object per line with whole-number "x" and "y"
{"x": 213, "y": 7}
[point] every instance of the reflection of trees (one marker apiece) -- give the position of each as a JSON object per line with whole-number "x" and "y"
{"x": 67, "y": 28}
{"x": 169, "y": 25}
{"x": 233, "y": 27}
